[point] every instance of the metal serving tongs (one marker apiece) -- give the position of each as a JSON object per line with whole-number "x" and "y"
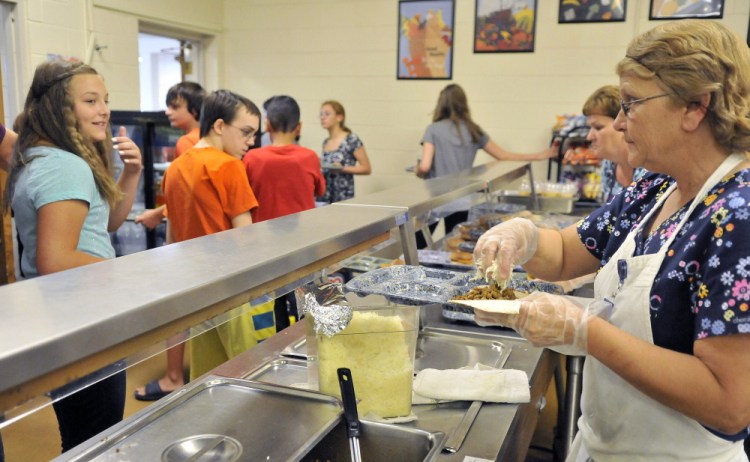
{"x": 351, "y": 418}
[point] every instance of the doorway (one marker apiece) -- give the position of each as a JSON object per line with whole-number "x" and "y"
{"x": 9, "y": 108}
{"x": 164, "y": 61}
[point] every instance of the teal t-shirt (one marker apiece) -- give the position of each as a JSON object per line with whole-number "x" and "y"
{"x": 56, "y": 175}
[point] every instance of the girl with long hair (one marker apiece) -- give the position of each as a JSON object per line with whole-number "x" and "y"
{"x": 451, "y": 142}
{"x": 66, "y": 201}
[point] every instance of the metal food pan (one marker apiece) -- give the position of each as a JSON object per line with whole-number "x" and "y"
{"x": 229, "y": 415}
{"x": 436, "y": 349}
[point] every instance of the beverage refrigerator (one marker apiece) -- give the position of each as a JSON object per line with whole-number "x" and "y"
{"x": 156, "y": 138}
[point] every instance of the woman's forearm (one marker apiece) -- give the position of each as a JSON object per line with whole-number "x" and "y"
{"x": 710, "y": 389}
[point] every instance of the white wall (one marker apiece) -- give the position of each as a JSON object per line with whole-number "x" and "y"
{"x": 346, "y": 50}
{"x": 72, "y": 28}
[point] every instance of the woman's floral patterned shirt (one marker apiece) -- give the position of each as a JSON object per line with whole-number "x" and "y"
{"x": 703, "y": 286}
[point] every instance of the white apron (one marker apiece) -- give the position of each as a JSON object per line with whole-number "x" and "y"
{"x": 618, "y": 422}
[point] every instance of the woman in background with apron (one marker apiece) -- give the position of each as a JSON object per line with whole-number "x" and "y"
{"x": 667, "y": 375}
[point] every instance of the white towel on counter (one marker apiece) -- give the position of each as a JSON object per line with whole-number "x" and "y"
{"x": 478, "y": 383}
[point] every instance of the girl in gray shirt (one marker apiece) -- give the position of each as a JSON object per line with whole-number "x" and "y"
{"x": 451, "y": 142}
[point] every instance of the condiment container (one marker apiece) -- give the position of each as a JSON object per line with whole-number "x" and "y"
{"x": 378, "y": 346}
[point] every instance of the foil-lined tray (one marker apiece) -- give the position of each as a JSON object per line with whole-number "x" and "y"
{"x": 415, "y": 285}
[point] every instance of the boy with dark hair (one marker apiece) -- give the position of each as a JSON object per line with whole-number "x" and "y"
{"x": 285, "y": 177}
{"x": 206, "y": 192}
{"x": 184, "y": 101}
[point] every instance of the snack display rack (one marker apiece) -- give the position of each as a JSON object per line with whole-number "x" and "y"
{"x": 582, "y": 168}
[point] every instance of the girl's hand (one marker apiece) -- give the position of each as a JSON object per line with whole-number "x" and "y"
{"x": 129, "y": 152}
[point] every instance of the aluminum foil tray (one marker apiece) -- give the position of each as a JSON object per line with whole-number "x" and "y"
{"x": 413, "y": 285}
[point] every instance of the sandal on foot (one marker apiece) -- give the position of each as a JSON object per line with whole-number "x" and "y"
{"x": 153, "y": 392}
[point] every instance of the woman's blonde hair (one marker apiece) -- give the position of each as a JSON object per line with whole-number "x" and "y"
{"x": 695, "y": 57}
{"x": 338, "y": 108}
{"x": 48, "y": 117}
{"x": 604, "y": 101}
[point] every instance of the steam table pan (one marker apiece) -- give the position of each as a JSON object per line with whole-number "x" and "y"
{"x": 222, "y": 419}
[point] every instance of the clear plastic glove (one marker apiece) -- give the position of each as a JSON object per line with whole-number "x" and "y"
{"x": 551, "y": 321}
{"x": 505, "y": 245}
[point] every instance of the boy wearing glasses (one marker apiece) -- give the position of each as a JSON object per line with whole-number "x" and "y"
{"x": 206, "y": 192}
{"x": 285, "y": 177}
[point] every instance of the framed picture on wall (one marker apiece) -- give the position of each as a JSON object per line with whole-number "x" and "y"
{"x": 425, "y": 39}
{"x": 681, "y": 9}
{"x": 591, "y": 11}
{"x": 502, "y": 26}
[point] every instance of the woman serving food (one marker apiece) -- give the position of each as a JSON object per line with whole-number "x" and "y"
{"x": 668, "y": 368}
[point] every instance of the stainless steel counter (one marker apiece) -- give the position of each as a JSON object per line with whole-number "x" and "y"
{"x": 500, "y": 432}
{"x": 417, "y": 198}
{"x": 62, "y": 319}
{"x": 60, "y": 327}
{"x": 422, "y": 196}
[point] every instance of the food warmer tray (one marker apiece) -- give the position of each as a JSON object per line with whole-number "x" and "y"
{"x": 224, "y": 419}
{"x": 436, "y": 349}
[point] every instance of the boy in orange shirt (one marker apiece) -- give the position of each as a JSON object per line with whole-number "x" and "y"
{"x": 207, "y": 191}
{"x": 184, "y": 101}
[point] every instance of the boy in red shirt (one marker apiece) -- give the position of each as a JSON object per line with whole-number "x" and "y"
{"x": 285, "y": 177}
{"x": 206, "y": 192}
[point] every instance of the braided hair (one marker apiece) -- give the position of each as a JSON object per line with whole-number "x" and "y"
{"x": 49, "y": 118}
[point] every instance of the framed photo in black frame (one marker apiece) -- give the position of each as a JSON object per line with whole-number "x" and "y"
{"x": 503, "y": 28}
{"x": 682, "y": 9}
{"x": 592, "y": 11}
{"x": 425, "y": 39}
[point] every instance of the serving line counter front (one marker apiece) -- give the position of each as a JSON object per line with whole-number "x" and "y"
{"x": 61, "y": 327}
{"x": 499, "y": 432}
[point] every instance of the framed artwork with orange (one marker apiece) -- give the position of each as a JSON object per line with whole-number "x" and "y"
{"x": 504, "y": 26}
{"x": 425, "y": 39}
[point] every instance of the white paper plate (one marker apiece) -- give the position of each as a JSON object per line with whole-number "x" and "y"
{"x": 492, "y": 306}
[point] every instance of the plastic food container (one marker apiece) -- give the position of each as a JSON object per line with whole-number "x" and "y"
{"x": 378, "y": 346}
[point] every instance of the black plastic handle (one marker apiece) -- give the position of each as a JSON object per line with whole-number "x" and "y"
{"x": 350, "y": 402}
